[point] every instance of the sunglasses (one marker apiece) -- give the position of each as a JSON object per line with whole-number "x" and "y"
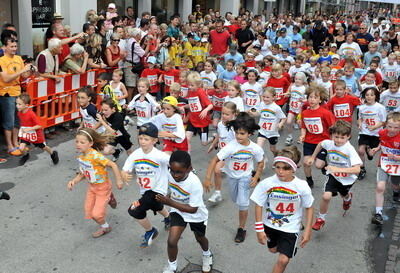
{"x": 116, "y": 40}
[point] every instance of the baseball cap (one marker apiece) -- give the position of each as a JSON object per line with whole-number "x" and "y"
{"x": 333, "y": 45}
{"x": 375, "y": 21}
{"x": 204, "y": 40}
{"x": 170, "y": 100}
{"x": 335, "y": 56}
{"x": 282, "y": 30}
{"x": 111, "y": 6}
{"x": 148, "y": 129}
{"x": 257, "y": 46}
{"x": 152, "y": 60}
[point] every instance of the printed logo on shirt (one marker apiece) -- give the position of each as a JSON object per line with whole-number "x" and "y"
{"x": 179, "y": 194}
{"x": 147, "y": 162}
{"x": 243, "y": 155}
{"x": 169, "y": 127}
{"x": 251, "y": 92}
{"x": 268, "y": 112}
{"x": 283, "y": 203}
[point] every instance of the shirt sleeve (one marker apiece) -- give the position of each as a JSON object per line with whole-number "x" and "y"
{"x": 138, "y": 50}
{"x": 354, "y": 157}
{"x": 117, "y": 122}
{"x": 307, "y": 198}
{"x": 101, "y": 159}
{"x": 196, "y": 196}
{"x": 180, "y": 133}
{"x": 259, "y": 154}
{"x": 129, "y": 163}
{"x": 259, "y": 195}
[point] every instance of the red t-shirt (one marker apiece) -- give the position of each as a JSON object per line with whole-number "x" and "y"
{"x": 29, "y": 119}
{"x": 198, "y": 100}
{"x": 378, "y": 78}
{"x": 267, "y": 68}
{"x": 170, "y": 77}
{"x": 317, "y": 123}
{"x": 152, "y": 75}
{"x": 389, "y": 145}
{"x": 281, "y": 86}
{"x": 250, "y": 64}
{"x": 219, "y": 42}
{"x": 233, "y": 28}
{"x": 217, "y": 98}
{"x": 342, "y": 108}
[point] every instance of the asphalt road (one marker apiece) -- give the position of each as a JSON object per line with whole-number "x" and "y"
{"x": 42, "y": 229}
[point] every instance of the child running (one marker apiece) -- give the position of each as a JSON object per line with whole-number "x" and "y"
{"x": 119, "y": 88}
{"x": 88, "y": 110}
{"x": 342, "y": 104}
{"x": 239, "y": 156}
{"x": 343, "y": 167}
{"x": 280, "y": 200}
{"x": 187, "y": 207}
{"x": 150, "y": 166}
{"x": 252, "y": 91}
{"x": 93, "y": 167}
{"x": 31, "y": 131}
{"x": 234, "y": 95}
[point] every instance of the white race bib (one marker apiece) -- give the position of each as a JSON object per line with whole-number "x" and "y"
{"x": 269, "y": 124}
{"x": 342, "y": 110}
{"x": 29, "y": 136}
{"x": 184, "y": 92}
{"x": 390, "y": 166}
{"x": 87, "y": 170}
{"x": 283, "y": 207}
{"x": 314, "y": 125}
{"x": 279, "y": 92}
{"x": 152, "y": 79}
{"x": 194, "y": 104}
{"x": 168, "y": 80}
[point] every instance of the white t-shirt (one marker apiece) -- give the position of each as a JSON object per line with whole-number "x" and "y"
{"x": 270, "y": 116}
{"x": 189, "y": 192}
{"x": 151, "y": 170}
{"x": 283, "y": 202}
{"x": 144, "y": 109}
{"x": 264, "y": 77}
{"x": 327, "y": 85}
{"x": 239, "y": 158}
{"x": 225, "y": 136}
{"x": 251, "y": 95}
{"x": 173, "y": 124}
{"x": 370, "y": 115}
{"x": 297, "y": 95}
{"x": 293, "y": 70}
{"x": 390, "y": 72}
{"x": 343, "y": 157}
{"x": 238, "y": 101}
{"x": 265, "y": 48}
{"x": 208, "y": 79}
{"x": 390, "y": 100}
{"x": 118, "y": 93}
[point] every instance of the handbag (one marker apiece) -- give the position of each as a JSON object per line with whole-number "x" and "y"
{"x": 137, "y": 68}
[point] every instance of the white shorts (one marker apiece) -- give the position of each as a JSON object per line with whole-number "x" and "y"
{"x": 240, "y": 191}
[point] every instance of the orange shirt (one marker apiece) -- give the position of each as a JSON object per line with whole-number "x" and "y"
{"x": 11, "y": 66}
{"x": 93, "y": 166}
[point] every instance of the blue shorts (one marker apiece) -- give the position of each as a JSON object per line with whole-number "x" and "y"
{"x": 8, "y": 113}
{"x": 308, "y": 150}
{"x": 239, "y": 189}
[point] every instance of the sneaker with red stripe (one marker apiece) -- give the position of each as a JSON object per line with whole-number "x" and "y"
{"x": 319, "y": 223}
{"x": 347, "y": 204}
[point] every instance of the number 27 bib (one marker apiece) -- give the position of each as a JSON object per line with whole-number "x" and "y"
{"x": 390, "y": 166}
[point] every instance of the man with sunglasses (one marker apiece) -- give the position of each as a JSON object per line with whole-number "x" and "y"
{"x": 363, "y": 38}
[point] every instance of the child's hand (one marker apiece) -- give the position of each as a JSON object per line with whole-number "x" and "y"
{"x": 207, "y": 185}
{"x": 210, "y": 148}
{"x": 254, "y": 182}
{"x": 373, "y": 151}
{"x": 26, "y": 130}
{"x": 301, "y": 138}
{"x": 310, "y": 161}
{"x": 120, "y": 184}
{"x": 126, "y": 177}
{"x": 262, "y": 238}
{"x": 70, "y": 184}
{"x": 305, "y": 238}
{"x": 203, "y": 114}
{"x": 162, "y": 199}
{"x": 332, "y": 169}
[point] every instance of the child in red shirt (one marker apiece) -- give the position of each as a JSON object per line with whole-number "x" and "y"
{"x": 218, "y": 95}
{"x": 200, "y": 106}
{"x": 315, "y": 124}
{"x": 152, "y": 74}
{"x": 279, "y": 83}
{"x": 31, "y": 131}
{"x": 169, "y": 76}
{"x": 342, "y": 104}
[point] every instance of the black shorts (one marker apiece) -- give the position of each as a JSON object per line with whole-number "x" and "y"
{"x": 146, "y": 202}
{"x": 309, "y": 148}
{"x": 199, "y": 229}
{"x": 284, "y": 242}
{"x": 124, "y": 141}
{"x": 370, "y": 141}
{"x": 39, "y": 145}
{"x": 196, "y": 130}
{"x": 271, "y": 140}
{"x": 335, "y": 187}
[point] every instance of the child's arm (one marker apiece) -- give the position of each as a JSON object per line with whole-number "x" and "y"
{"x": 210, "y": 170}
{"x": 376, "y": 126}
{"x": 205, "y": 111}
{"x": 214, "y": 144}
{"x": 105, "y": 124}
{"x": 124, "y": 91}
{"x": 331, "y": 92}
{"x": 314, "y": 155}
{"x": 256, "y": 177}
{"x": 281, "y": 123}
{"x": 169, "y": 202}
{"x": 307, "y": 230}
{"x": 287, "y": 93}
{"x": 351, "y": 170}
{"x": 36, "y": 127}
{"x": 75, "y": 180}
{"x": 302, "y": 134}
{"x": 117, "y": 173}
{"x": 261, "y": 236}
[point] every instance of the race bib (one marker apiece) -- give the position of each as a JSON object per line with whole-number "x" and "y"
{"x": 218, "y": 102}
{"x": 251, "y": 101}
{"x": 279, "y": 93}
{"x": 283, "y": 207}
{"x": 269, "y": 124}
{"x": 392, "y": 103}
{"x": 184, "y": 92}
{"x": 390, "y": 74}
{"x": 314, "y": 125}
{"x": 30, "y": 136}
{"x": 152, "y": 79}
{"x": 222, "y": 144}
{"x": 342, "y": 110}
{"x": 87, "y": 124}
{"x": 88, "y": 171}
{"x": 390, "y": 166}
{"x": 145, "y": 182}
{"x": 168, "y": 80}
{"x": 194, "y": 104}
{"x": 295, "y": 105}
{"x": 238, "y": 166}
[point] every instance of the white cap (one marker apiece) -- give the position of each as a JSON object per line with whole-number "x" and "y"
{"x": 335, "y": 56}
{"x": 152, "y": 60}
{"x": 333, "y": 45}
{"x": 329, "y": 22}
{"x": 204, "y": 40}
{"x": 111, "y": 6}
{"x": 375, "y": 21}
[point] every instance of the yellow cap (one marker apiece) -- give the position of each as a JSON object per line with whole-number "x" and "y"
{"x": 171, "y": 100}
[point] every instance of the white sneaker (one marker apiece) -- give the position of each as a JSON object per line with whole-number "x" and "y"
{"x": 207, "y": 263}
{"x": 289, "y": 140}
{"x": 215, "y": 197}
{"x": 168, "y": 270}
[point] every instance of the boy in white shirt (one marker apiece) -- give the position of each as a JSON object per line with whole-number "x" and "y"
{"x": 187, "y": 207}
{"x": 280, "y": 200}
{"x": 343, "y": 167}
{"x": 391, "y": 98}
{"x": 151, "y": 168}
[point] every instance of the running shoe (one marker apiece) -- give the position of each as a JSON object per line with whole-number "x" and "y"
{"x": 296, "y": 126}
{"x": 116, "y": 155}
{"x": 4, "y": 195}
{"x": 362, "y": 174}
{"x": 23, "y": 159}
{"x": 347, "y": 204}
{"x": 377, "y": 219}
{"x": 113, "y": 202}
{"x": 207, "y": 263}
{"x": 148, "y": 237}
{"x": 215, "y": 197}
{"x": 310, "y": 182}
{"x": 101, "y": 231}
{"x": 289, "y": 141}
{"x": 167, "y": 223}
{"x": 319, "y": 223}
{"x": 15, "y": 151}
{"x": 54, "y": 157}
{"x": 240, "y": 235}
{"x": 168, "y": 270}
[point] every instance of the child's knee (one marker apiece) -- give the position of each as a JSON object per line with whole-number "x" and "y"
{"x": 327, "y": 196}
{"x": 283, "y": 260}
{"x": 172, "y": 243}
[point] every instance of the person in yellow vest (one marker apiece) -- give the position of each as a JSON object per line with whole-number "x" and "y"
{"x": 11, "y": 69}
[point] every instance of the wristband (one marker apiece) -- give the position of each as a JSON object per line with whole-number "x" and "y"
{"x": 259, "y": 226}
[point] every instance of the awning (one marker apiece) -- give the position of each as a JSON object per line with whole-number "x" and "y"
{"x": 384, "y": 1}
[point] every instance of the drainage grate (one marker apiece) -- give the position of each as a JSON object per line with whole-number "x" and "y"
{"x": 195, "y": 268}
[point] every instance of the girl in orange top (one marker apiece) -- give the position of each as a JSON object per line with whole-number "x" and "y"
{"x": 92, "y": 166}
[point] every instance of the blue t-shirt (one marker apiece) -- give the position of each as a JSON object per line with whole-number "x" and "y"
{"x": 284, "y": 42}
{"x": 369, "y": 56}
{"x": 238, "y": 58}
{"x": 296, "y": 37}
{"x": 323, "y": 59}
{"x": 227, "y": 75}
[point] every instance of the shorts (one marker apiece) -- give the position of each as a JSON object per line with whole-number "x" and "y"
{"x": 284, "y": 242}
{"x": 382, "y": 176}
{"x": 370, "y": 141}
{"x": 124, "y": 141}
{"x": 216, "y": 114}
{"x": 239, "y": 189}
{"x": 335, "y": 187}
{"x": 271, "y": 140}
{"x": 39, "y": 145}
{"x": 8, "y": 114}
{"x": 96, "y": 202}
{"x": 199, "y": 229}
{"x": 172, "y": 146}
{"x": 130, "y": 77}
{"x": 146, "y": 202}
{"x": 203, "y": 132}
{"x": 309, "y": 148}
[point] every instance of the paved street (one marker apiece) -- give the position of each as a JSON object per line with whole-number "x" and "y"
{"x": 42, "y": 228}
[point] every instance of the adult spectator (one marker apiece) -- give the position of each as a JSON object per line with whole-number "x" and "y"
{"x": 110, "y": 14}
{"x": 113, "y": 52}
{"x": 319, "y": 35}
{"x": 219, "y": 39}
{"x": 363, "y": 38}
{"x": 197, "y": 13}
{"x": 153, "y": 39}
{"x": 134, "y": 53}
{"x": 384, "y": 44}
{"x": 394, "y": 38}
{"x": 233, "y": 55}
{"x": 264, "y": 44}
{"x": 374, "y": 28}
{"x": 95, "y": 52}
{"x": 244, "y": 36}
{"x": 102, "y": 31}
{"x": 58, "y": 32}
{"x": 340, "y": 38}
{"x": 130, "y": 13}
{"x": 48, "y": 61}
{"x": 228, "y": 17}
{"x": 145, "y": 15}
{"x": 7, "y": 33}
{"x": 272, "y": 33}
{"x": 144, "y": 27}
{"x": 11, "y": 69}
{"x": 296, "y": 36}
{"x": 77, "y": 61}
{"x": 173, "y": 29}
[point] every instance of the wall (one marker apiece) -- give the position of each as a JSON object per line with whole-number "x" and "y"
{"x": 74, "y": 12}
